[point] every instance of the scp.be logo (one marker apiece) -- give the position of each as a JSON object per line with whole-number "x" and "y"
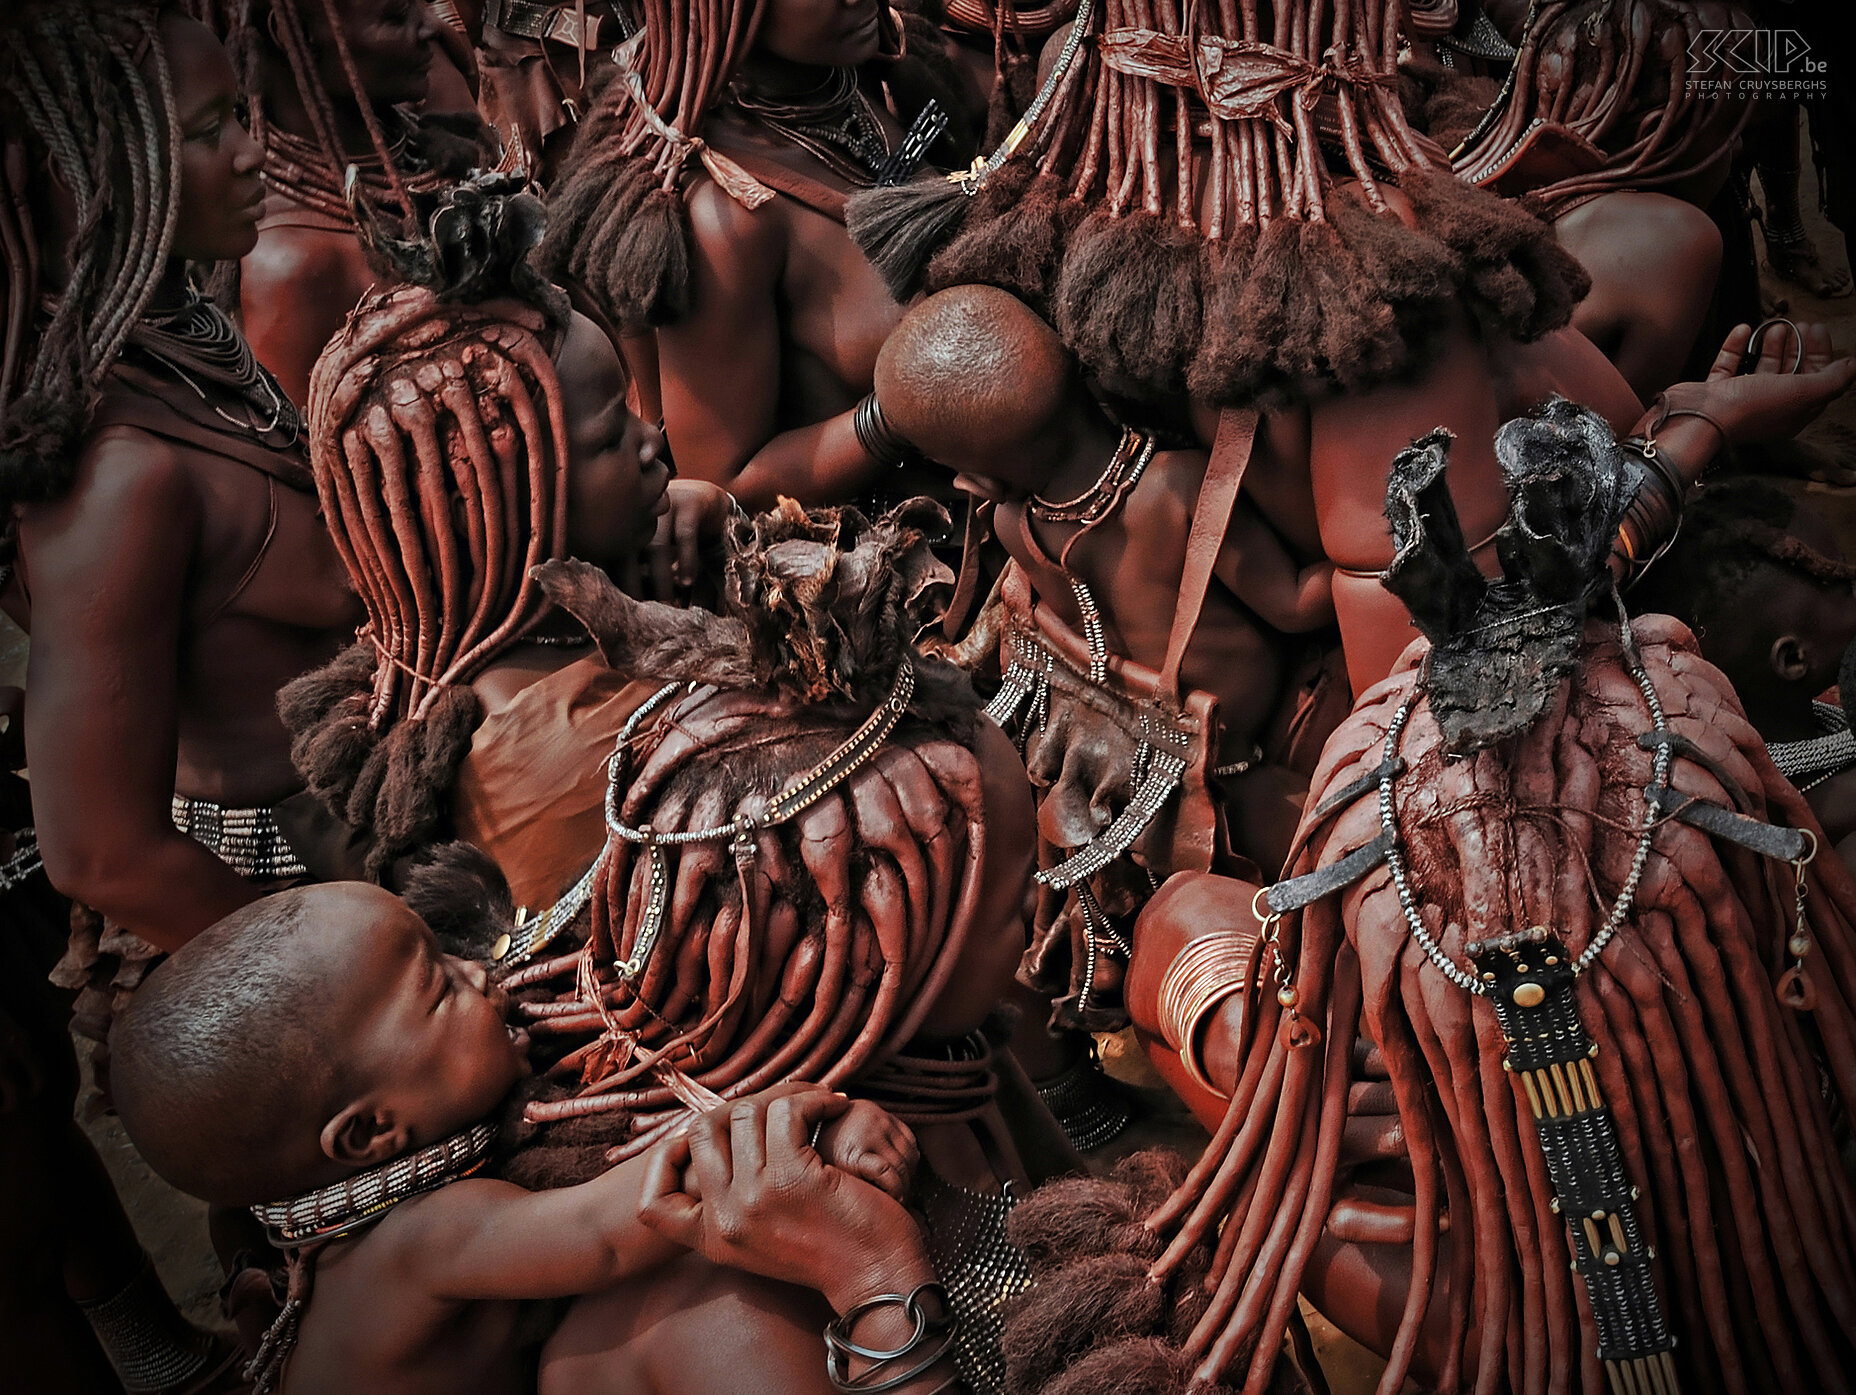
{"x": 1750, "y": 52}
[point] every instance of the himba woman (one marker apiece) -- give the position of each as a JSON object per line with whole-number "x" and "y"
{"x": 705, "y": 197}
{"x": 1534, "y": 1076}
{"x": 1615, "y": 126}
{"x": 464, "y": 428}
{"x": 163, "y": 549}
{"x": 1261, "y": 250}
{"x": 330, "y": 83}
{"x": 815, "y": 869}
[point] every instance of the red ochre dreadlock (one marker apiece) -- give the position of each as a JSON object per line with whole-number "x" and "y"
{"x": 438, "y": 438}
{"x": 1172, "y": 210}
{"x": 1607, "y": 95}
{"x": 80, "y": 109}
{"x": 310, "y": 172}
{"x": 811, "y": 947}
{"x": 1725, "y": 1090}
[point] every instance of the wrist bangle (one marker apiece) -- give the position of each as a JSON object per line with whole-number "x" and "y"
{"x": 877, "y": 436}
{"x": 931, "y": 1332}
{"x": 1201, "y": 976}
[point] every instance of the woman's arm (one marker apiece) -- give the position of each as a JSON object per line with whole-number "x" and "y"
{"x": 721, "y": 378}
{"x": 108, "y": 567}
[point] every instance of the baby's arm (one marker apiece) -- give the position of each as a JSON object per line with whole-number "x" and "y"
{"x": 1260, "y": 572}
{"x": 482, "y": 1239}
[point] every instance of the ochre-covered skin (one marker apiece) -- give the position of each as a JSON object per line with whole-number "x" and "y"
{"x": 1388, "y": 1169}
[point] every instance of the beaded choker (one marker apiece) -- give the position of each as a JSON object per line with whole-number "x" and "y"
{"x": 834, "y": 122}
{"x": 1810, "y": 762}
{"x": 1118, "y": 478}
{"x": 342, "y": 1208}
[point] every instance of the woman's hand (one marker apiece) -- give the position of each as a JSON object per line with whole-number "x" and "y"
{"x": 744, "y": 1188}
{"x": 1771, "y": 402}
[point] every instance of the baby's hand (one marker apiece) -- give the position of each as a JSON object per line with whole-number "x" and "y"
{"x": 871, "y": 1145}
{"x": 697, "y": 514}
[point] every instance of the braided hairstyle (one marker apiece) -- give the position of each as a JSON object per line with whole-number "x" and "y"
{"x": 808, "y": 948}
{"x": 311, "y": 173}
{"x": 617, "y": 223}
{"x": 1617, "y": 81}
{"x": 88, "y": 102}
{"x": 1173, "y": 209}
{"x": 1710, "y": 1074}
{"x": 438, "y": 440}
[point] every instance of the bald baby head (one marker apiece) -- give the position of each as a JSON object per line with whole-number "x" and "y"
{"x": 976, "y": 381}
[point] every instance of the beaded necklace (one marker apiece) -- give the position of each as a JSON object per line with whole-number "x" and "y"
{"x": 197, "y": 342}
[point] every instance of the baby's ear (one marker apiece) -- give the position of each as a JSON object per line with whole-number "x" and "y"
{"x": 1789, "y": 658}
{"x": 364, "y": 1134}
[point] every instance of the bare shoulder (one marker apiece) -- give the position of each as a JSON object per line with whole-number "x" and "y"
{"x": 128, "y": 481}
{"x": 1641, "y": 225}
{"x": 730, "y": 234}
{"x": 1165, "y": 497}
{"x": 287, "y": 255}
{"x": 430, "y": 1226}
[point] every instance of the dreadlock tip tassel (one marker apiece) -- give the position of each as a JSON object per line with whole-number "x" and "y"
{"x": 899, "y": 229}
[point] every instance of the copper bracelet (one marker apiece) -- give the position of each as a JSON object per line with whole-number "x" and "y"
{"x": 1201, "y": 976}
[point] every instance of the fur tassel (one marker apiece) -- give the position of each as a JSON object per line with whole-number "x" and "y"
{"x": 626, "y": 241}
{"x": 1222, "y": 372}
{"x": 458, "y": 890}
{"x": 1517, "y": 279}
{"x": 1083, "y": 1306}
{"x": 1144, "y": 1367}
{"x": 1130, "y": 301}
{"x": 899, "y": 230}
{"x": 1015, "y": 239}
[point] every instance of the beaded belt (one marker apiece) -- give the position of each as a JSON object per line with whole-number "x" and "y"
{"x": 246, "y": 840}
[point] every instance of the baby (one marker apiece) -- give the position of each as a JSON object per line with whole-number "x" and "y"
{"x": 1761, "y": 579}
{"x": 975, "y": 380}
{"x": 316, "y": 1057}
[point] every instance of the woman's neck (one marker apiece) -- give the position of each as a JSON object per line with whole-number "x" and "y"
{"x": 774, "y": 76}
{"x": 285, "y": 109}
{"x": 173, "y": 289}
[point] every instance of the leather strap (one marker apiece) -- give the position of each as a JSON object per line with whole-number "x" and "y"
{"x": 1310, "y": 887}
{"x": 1211, "y": 516}
{"x": 967, "y": 583}
{"x": 1766, "y": 839}
{"x": 563, "y": 24}
{"x": 802, "y": 188}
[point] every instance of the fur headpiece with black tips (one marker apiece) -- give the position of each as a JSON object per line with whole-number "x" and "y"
{"x": 472, "y": 241}
{"x": 1501, "y": 649}
{"x": 819, "y": 606}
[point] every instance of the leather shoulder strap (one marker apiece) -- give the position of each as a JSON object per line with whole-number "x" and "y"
{"x": 1211, "y": 516}
{"x": 802, "y": 188}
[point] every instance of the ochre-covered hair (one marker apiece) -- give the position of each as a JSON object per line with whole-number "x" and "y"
{"x": 1726, "y": 1086}
{"x": 1172, "y": 209}
{"x": 1611, "y": 94}
{"x": 807, "y": 947}
{"x": 617, "y": 225}
{"x": 438, "y": 439}
{"x": 313, "y": 172}
{"x": 79, "y": 109}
